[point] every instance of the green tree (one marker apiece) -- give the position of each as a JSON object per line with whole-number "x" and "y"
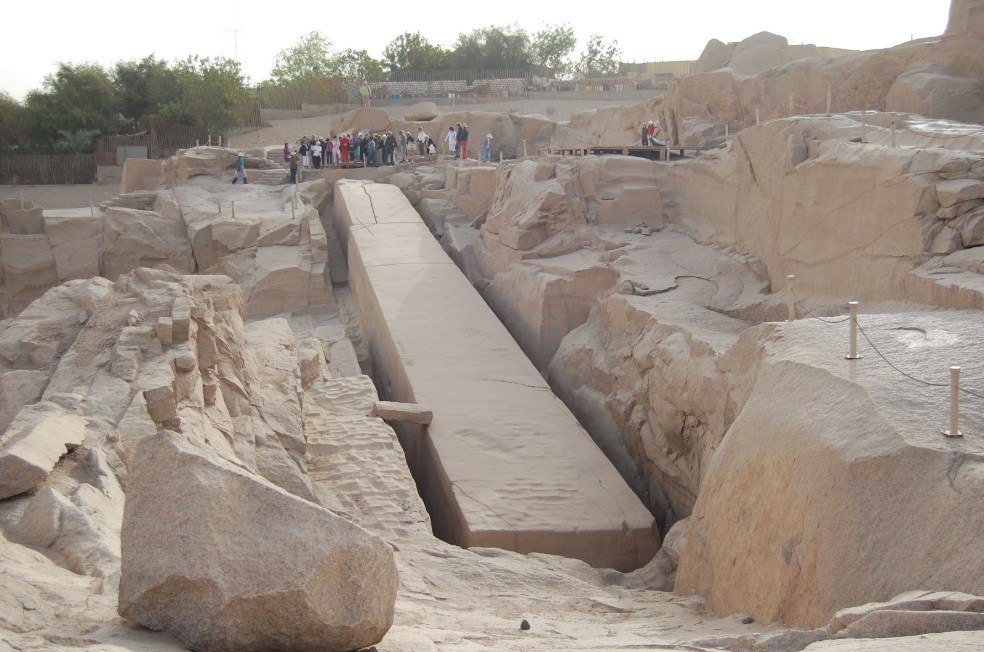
{"x": 13, "y": 125}
{"x": 310, "y": 58}
{"x": 76, "y": 142}
{"x": 491, "y": 48}
{"x": 75, "y": 97}
{"x": 209, "y": 90}
{"x": 413, "y": 52}
{"x": 551, "y": 48}
{"x": 599, "y": 59}
{"x": 355, "y": 63}
{"x": 144, "y": 87}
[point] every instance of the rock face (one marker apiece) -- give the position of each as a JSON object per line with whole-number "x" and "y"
{"x": 936, "y": 78}
{"x": 274, "y": 249}
{"x": 197, "y": 559}
{"x": 778, "y": 530}
{"x": 665, "y": 372}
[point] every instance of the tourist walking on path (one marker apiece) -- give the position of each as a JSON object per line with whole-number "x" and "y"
{"x": 452, "y": 141}
{"x": 240, "y": 169}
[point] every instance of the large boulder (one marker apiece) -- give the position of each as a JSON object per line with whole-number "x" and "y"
{"x": 759, "y": 52}
{"x": 422, "y": 111}
{"x": 224, "y": 560}
{"x": 835, "y": 486}
{"x": 716, "y": 55}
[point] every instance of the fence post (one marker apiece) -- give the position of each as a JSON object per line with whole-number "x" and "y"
{"x": 853, "y": 354}
{"x": 233, "y": 210}
{"x": 790, "y": 298}
{"x": 954, "y": 431}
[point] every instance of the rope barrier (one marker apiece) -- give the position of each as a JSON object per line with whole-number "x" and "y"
{"x": 881, "y": 355}
{"x": 807, "y": 311}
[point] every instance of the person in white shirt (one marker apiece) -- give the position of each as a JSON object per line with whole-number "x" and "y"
{"x": 452, "y": 140}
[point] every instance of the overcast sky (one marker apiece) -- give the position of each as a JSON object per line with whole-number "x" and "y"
{"x": 38, "y": 35}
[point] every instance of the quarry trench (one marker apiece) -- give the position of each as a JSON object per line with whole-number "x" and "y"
{"x": 504, "y": 461}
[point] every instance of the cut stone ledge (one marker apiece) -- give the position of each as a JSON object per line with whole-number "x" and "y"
{"x": 406, "y": 412}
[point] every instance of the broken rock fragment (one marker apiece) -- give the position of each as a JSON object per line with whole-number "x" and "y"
{"x": 224, "y": 560}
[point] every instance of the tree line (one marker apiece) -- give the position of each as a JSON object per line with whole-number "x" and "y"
{"x": 79, "y": 102}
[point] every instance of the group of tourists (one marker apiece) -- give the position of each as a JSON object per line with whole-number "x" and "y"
{"x": 457, "y": 143}
{"x": 369, "y": 148}
{"x": 375, "y": 149}
{"x": 649, "y": 132}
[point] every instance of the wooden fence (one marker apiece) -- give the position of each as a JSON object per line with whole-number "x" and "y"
{"x": 47, "y": 169}
{"x": 159, "y": 142}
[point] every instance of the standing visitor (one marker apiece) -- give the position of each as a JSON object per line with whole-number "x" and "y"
{"x": 421, "y": 143}
{"x": 356, "y": 145}
{"x": 316, "y": 154}
{"x": 365, "y": 91}
{"x": 463, "y": 141}
{"x": 487, "y": 148}
{"x": 286, "y": 156}
{"x": 295, "y": 162}
{"x": 452, "y": 141}
{"x": 343, "y": 144}
{"x": 305, "y": 161}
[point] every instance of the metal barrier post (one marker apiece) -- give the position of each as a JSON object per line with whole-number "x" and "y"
{"x": 790, "y": 299}
{"x": 853, "y": 307}
{"x": 233, "y": 210}
{"x": 954, "y": 431}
